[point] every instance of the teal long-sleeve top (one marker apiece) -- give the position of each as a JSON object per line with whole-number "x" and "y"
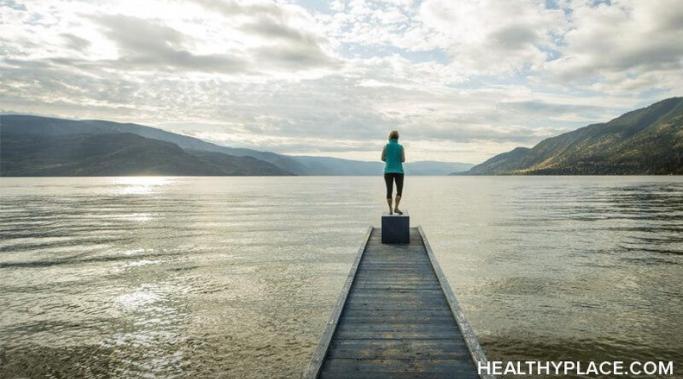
{"x": 394, "y": 156}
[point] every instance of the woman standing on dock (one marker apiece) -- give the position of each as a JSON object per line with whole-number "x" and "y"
{"x": 394, "y": 155}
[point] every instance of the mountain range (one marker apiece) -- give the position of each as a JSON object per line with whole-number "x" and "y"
{"x": 46, "y": 146}
{"x": 646, "y": 141}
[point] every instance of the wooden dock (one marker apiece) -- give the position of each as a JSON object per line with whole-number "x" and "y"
{"x": 396, "y": 317}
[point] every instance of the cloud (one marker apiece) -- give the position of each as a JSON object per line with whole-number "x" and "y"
{"x": 554, "y": 109}
{"x": 75, "y": 42}
{"x": 514, "y": 37}
{"x": 283, "y": 40}
{"x": 461, "y": 80}
{"x": 13, "y": 4}
{"x": 232, "y": 8}
{"x": 152, "y": 45}
{"x": 483, "y": 37}
{"x": 292, "y": 48}
{"x": 269, "y": 28}
{"x": 621, "y": 41}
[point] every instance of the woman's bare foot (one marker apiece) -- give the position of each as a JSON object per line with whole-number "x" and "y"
{"x": 398, "y": 211}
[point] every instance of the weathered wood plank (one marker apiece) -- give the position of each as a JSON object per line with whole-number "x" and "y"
{"x": 407, "y": 349}
{"x": 407, "y": 281}
{"x": 387, "y": 313}
{"x": 403, "y": 266}
{"x": 392, "y": 375}
{"x": 390, "y": 366}
{"x": 353, "y": 330}
{"x": 401, "y": 318}
{"x": 397, "y": 286}
{"x": 394, "y": 308}
{"x": 384, "y": 296}
{"x": 406, "y": 306}
{"x": 396, "y": 295}
{"x": 367, "y": 277}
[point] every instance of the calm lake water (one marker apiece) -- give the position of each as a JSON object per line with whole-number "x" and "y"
{"x": 236, "y": 277}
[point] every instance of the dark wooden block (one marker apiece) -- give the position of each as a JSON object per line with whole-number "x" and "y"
{"x": 396, "y": 228}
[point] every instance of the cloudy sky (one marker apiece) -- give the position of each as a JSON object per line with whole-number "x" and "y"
{"x": 461, "y": 80}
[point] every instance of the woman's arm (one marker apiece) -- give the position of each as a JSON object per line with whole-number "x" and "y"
{"x": 403, "y": 154}
{"x": 384, "y": 154}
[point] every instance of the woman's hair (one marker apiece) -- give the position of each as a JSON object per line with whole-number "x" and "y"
{"x": 393, "y": 134}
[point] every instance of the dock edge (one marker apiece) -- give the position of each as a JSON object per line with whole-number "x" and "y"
{"x": 476, "y": 352}
{"x": 318, "y": 357}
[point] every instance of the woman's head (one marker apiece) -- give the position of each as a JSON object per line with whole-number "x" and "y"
{"x": 393, "y": 134}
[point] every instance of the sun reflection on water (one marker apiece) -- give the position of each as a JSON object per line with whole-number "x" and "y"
{"x": 139, "y": 185}
{"x": 139, "y": 298}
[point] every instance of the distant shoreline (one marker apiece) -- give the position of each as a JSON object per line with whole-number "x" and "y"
{"x": 331, "y": 176}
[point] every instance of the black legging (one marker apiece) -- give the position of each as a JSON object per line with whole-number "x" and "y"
{"x": 389, "y": 180}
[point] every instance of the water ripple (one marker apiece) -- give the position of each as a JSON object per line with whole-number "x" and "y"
{"x": 235, "y": 277}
